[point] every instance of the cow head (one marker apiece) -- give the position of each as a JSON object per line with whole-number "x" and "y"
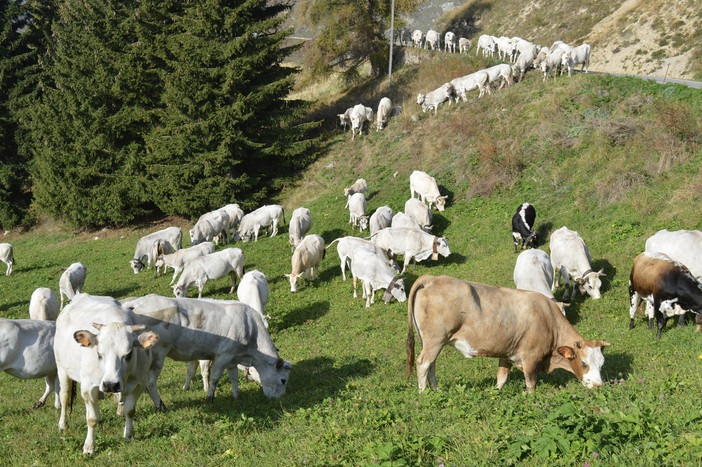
{"x": 115, "y": 344}
{"x": 274, "y": 377}
{"x": 363, "y": 223}
{"x": 584, "y": 359}
{"x": 440, "y": 247}
{"x": 396, "y": 289}
{"x": 420, "y": 98}
{"x": 532, "y": 240}
{"x": 180, "y": 291}
{"x": 137, "y": 265}
{"x": 440, "y": 202}
{"x": 159, "y": 263}
{"x": 590, "y": 283}
{"x": 293, "y": 280}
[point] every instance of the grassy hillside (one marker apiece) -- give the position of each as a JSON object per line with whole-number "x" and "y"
{"x": 615, "y": 159}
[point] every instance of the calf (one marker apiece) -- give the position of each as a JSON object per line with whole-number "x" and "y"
{"x": 178, "y": 259}
{"x": 300, "y": 224}
{"x": 463, "y": 45}
{"x": 7, "y": 256}
{"x": 161, "y": 247}
{"x": 375, "y": 273}
{"x": 424, "y": 185}
{"x": 381, "y": 218}
{"x": 521, "y": 328}
{"x": 522, "y": 227}
{"x": 357, "y": 211}
{"x": 265, "y": 216}
{"x": 420, "y": 212}
{"x": 210, "y": 267}
{"x": 27, "y": 352}
{"x": 71, "y": 281}
{"x": 534, "y": 271}
{"x": 431, "y": 100}
{"x": 347, "y": 246}
{"x": 305, "y": 260}
{"x": 450, "y": 42}
{"x": 43, "y": 305}
{"x": 97, "y": 345}
{"x": 667, "y": 285}
{"x": 384, "y": 112}
{"x": 144, "y": 253}
{"x": 413, "y": 244}
{"x": 501, "y": 72}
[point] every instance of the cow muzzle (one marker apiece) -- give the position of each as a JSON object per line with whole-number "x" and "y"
{"x": 110, "y": 386}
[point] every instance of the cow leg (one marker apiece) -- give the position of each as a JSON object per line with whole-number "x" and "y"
{"x": 503, "y": 372}
{"x": 92, "y": 415}
{"x": 201, "y": 287}
{"x": 681, "y": 320}
{"x": 190, "y": 372}
{"x": 256, "y": 228}
{"x": 661, "y": 319}
{"x": 343, "y": 267}
{"x": 406, "y": 263}
{"x": 368, "y": 292}
{"x": 531, "y": 372}
{"x": 425, "y": 361}
{"x": 129, "y": 408}
{"x": 218, "y": 367}
{"x": 66, "y": 385}
{"x": 355, "y": 281}
{"x": 274, "y": 228}
{"x": 205, "y": 367}
{"x": 633, "y": 304}
{"x": 176, "y": 271}
{"x": 233, "y": 373}
{"x": 233, "y": 275}
{"x": 49, "y": 381}
{"x": 151, "y": 388}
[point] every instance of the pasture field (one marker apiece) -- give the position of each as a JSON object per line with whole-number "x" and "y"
{"x": 347, "y": 401}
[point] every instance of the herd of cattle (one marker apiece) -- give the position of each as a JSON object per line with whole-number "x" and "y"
{"x": 120, "y": 346}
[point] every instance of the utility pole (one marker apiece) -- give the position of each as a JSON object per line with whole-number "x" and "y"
{"x": 392, "y": 38}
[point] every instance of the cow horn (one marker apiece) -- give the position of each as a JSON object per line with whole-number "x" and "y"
{"x": 579, "y": 344}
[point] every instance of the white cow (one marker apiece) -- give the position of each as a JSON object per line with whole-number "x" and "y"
{"x": 450, "y": 42}
{"x": 683, "y": 246}
{"x": 71, "y": 281}
{"x": 235, "y": 214}
{"x": 526, "y": 59}
{"x": 477, "y": 80}
{"x": 420, "y": 212}
{"x": 579, "y": 55}
{"x": 210, "y": 267}
{"x": 534, "y": 271}
{"x": 487, "y": 44}
{"x": 7, "y": 256}
{"x": 541, "y": 56}
{"x": 224, "y": 331}
{"x": 404, "y": 220}
{"x": 345, "y": 118}
{"x": 432, "y": 41}
{"x": 426, "y": 188}
{"x": 359, "y": 186}
{"x": 160, "y": 248}
{"x": 177, "y": 260}
{"x": 413, "y": 244}
{"x": 381, "y": 218}
{"x": 359, "y": 115}
{"x": 43, "y": 304}
{"x": 501, "y": 72}
{"x": 97, "y": 345}
{"x": 305, "y": 260}
{"x": 463, "y": 45}
{"x": 552, "y": 62}
{"x": 375, "y": 273}
{"x": 384, "y": 112}
{"x": 346, "y": 247}
{"x": 254, "y": 291}
{"x": 144, "y": 253}
{"x": 357, "y": 211}
{"x": 27, "y": 352}
{"x": 265, "y": 216}
{"x": 300, "y": 224}
{"x": 571, "y": 258}
{"x": 417, "y": 36}
{"x": 438, "y": 96}
{"x": 211, "y": 226}
{"x": 505, "y": 48}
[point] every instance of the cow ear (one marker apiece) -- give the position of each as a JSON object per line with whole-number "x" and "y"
{"x": 98, "y": 326}
{"x": 137, "y": 327}
{"x": 85, "y": 338}
{"x": 567, "y": 352}
{"x": 604, "y": 343}
{"x": 148, "y": 339}
{"x": 580, "y": 280}
{"x": 600, "y": 273}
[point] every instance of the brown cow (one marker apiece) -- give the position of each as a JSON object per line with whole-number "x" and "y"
{"x": 521, "y": 328}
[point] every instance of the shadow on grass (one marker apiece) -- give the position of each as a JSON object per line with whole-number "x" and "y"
{"x": 8, "y": 306}
{"x": 298, "y": 316}
{"x": 543, "y": 233}
{"x": 331, "y": 235}
{"x": 439, "y": 225}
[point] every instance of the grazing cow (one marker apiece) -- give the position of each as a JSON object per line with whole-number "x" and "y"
{"x": 432, "y": 41}
{"x": 501, "y": 72}
{"x": 521, "y": 328}
{"x": 381, "y": 218}
{"x": 463, "y": 45}
{"x": 160, "y": 248}
{"x": 525, "y": 61}
{"x": 254, "y": 291}
{"x": 178, "y": 259}
{"x": 97, "y": 345}
{"x": 420, "y": 212}
{"x": 235, "y": 214}
{"x": 300, "y": 224}
{"x": 357, "y": 211}
{"x": 7, "y": 256}
{"x": 305, "y": 260}
{"x": 27, "y": 352}
{"x": 576, "y": 56}
{"x": 450, "y": 42}
{"x": 144, "y": 253}
{"x": 571, "y": 258}
{"x": 359, "y": 115}
{"x": 346, "y": 247}
{"x": 43, "y": 305}
{"x": 210, "y": 267}
{"x": 404, "y": 220}
{"x": 667, "y": 286}
{"x": 375, "y": 273}
{"x": 534, "y": 271}
{"x": 417, "y": 37}
{"x": 345, "y": 118}
{"x": 265, "y": 216}
{"x": 71, "y": 281}
{"x": 522, "y": 227}
{"x": 487, "y": 44}
{"x": 541, "y": 56}
{"x": 505, "y": 48}
{"x": 226, "y": 332}
{"x": 359, "y": 186}
{"x": 552, "y": 62}
{"x": 426, "y": 188}
{"x": 438, "y": 96}
{"x": 413, "y": 244}
{"x": 210, "y": 226}
{"x": 477, "y": 80}
{"x": 384, "y": 112}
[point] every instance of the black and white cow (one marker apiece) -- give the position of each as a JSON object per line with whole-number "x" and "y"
{"x": 522, "y": 225}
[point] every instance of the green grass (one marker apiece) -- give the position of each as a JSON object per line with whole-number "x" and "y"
{"x": 615, "y": 159}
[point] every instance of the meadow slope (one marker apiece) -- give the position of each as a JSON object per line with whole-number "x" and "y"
{"x": 615, "y": 159}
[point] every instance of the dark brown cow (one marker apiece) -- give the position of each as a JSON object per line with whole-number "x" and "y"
{"x": 667, "y": 286}
{"x": 521, "y": 328}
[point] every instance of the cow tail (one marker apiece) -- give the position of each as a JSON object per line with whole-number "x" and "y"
{"x": 72, "y": 397}
{"x": 283, "y": 215}
{"x": 332, "y": 242}
{"x": 417, "y": 286}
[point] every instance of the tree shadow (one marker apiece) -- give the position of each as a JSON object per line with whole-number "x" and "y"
{"x": 297, "y": 316}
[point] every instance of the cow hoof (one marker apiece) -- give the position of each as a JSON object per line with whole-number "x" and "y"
{"x": 162, "y": 408}
{"x": 37, "y": 404}
{"x": 210, "y": 399}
